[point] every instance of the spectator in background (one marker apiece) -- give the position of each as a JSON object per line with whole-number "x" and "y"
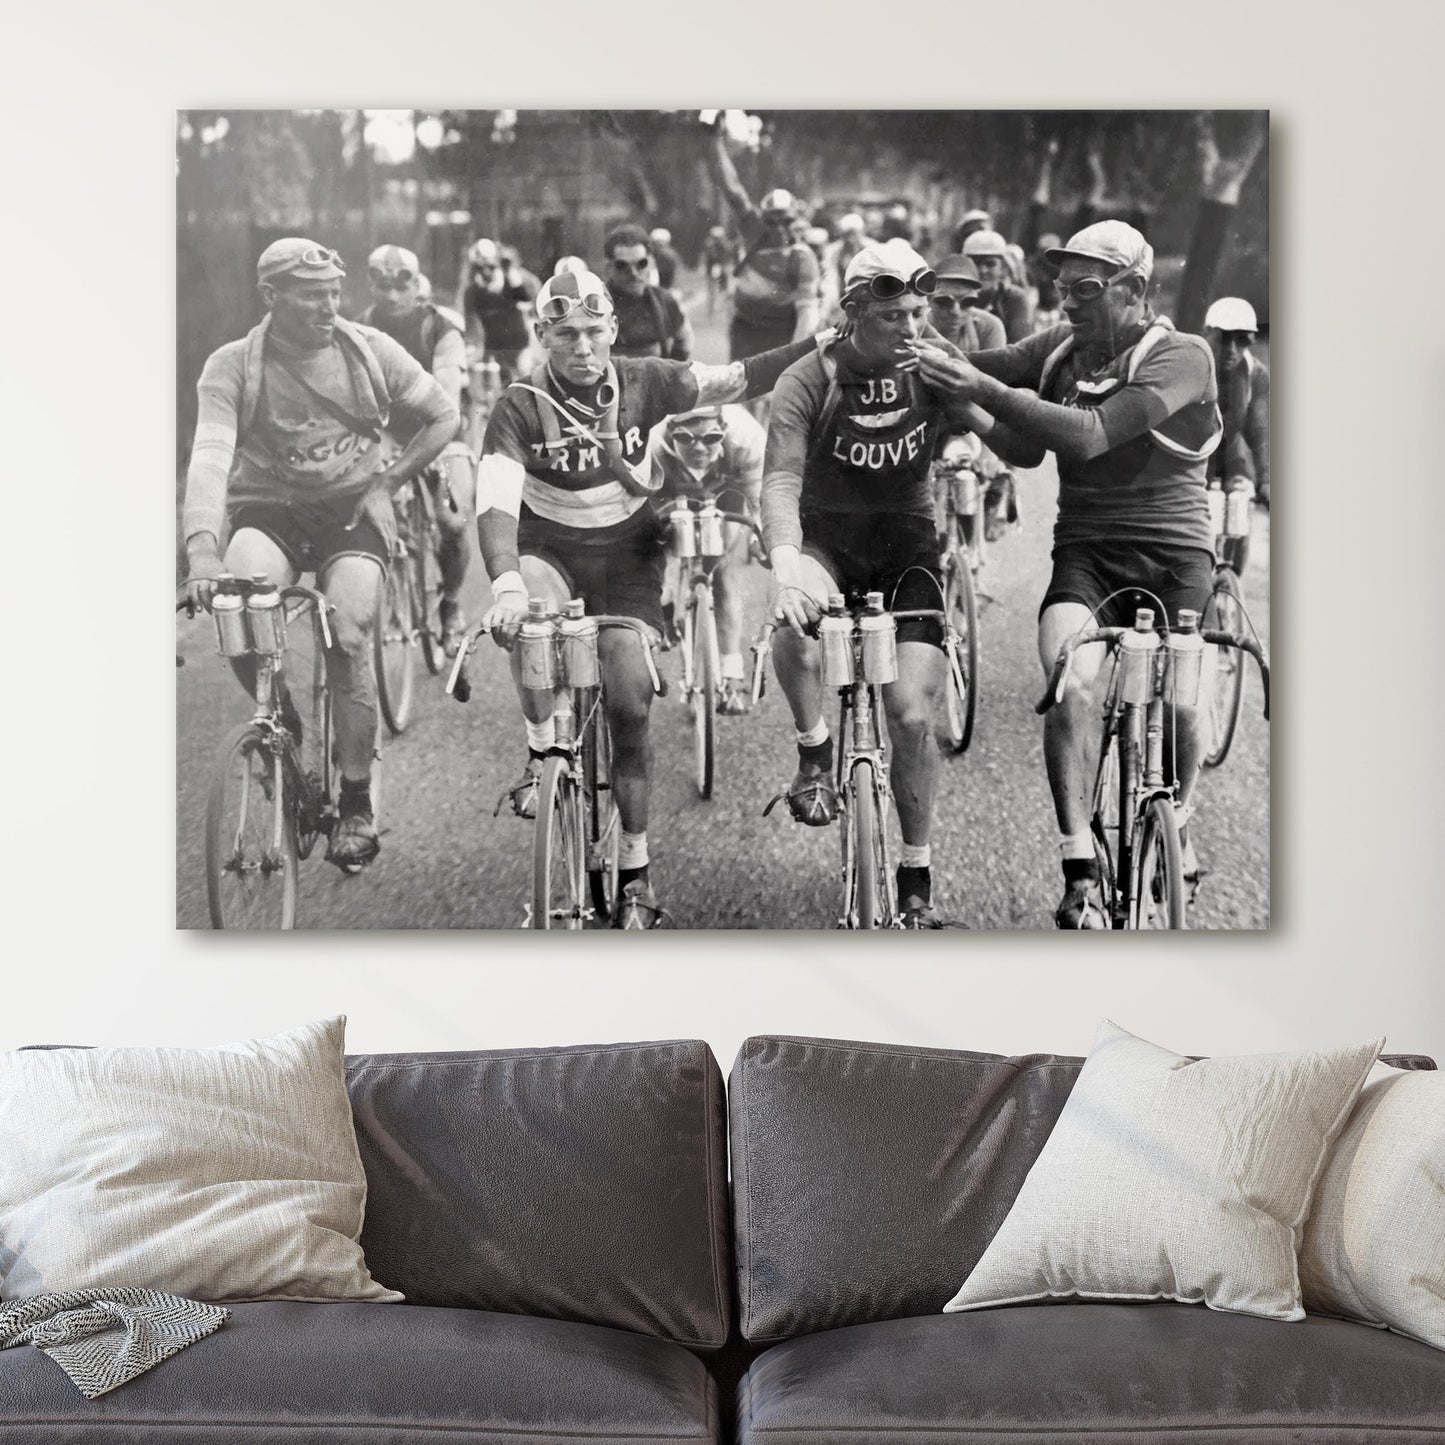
{"x": 1242, "y": 460}
{"x": 1001, "y": 295}
{"x": 649, "y": 320}
{"x": 666, "y": 259}
{"x": 496, "y": 303}
{"x": 1042, "y": 276}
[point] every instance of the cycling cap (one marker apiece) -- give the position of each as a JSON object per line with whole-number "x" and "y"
{"x": 660, "y": 236}
{"x": 816, "y": 235}
{"x": 561, "y": 295}
{"x": 883, "y": 258}
{"x": 1231, "y": 313}
{"x": 298, "y": 257}
{"x": 484, "y": 253}
{"x": 958, "y": 268}
{"x": 1116, "y": 243}
{"x": 575, "y": 264}
{"x": 393, "y": 261}
{"x": 985, "y": 243}
{"x": 969, "y": 217}
{"x": 778, "y": 203}
{"x": 698, "y": 413}
{"x": 851, "y": 224}
{"x": 1049, "y": 242}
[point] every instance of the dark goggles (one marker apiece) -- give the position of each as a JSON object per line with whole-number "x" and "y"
{"x": 886, "y": 286}
{"x": 638, "y": 268}
{"x": 698, "y": 439}
{"x": 948, "y": 302}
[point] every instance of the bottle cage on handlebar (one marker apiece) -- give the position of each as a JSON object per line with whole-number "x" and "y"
{"x": 295, "y": 590}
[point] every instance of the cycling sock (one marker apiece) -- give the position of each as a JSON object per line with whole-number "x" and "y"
{"x": 915, "y": 883}
{"x": 1076, "y": 845}
{"x": 1076, "y": 870}
{"x": 815, "y": 737}
{"x": 541, "y": 736}
{"x": 916, "y": 855}
{"x": 632, "y": 851}
{"x": 731, "y": 666}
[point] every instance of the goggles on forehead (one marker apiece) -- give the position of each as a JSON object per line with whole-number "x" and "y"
{"x": 320, "y": 256}
{"x": 559, "y": 308}
{"x": 887, "y": 286}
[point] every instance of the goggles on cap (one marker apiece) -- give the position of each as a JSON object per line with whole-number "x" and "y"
{"x": 559, "y": 308}
{"x": 318, "y": 256}
{"x": 886, "y": 286}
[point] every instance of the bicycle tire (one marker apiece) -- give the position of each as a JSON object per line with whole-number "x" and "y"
{"x": 1104, "y": 825}
{"x": 604, "y": 826}
{"x": 1224, "y": 613}
{"x": 961, "y": 684}
{"x": 392, "y": 647}
{"x": 250, "y": 836}
{"x": 869, "y": 903}
{"x": 557, "y": 850}
{"x": 312, "y": 759}
{"x": 1159, "y": 870}
{"x": 426, "y": 595}
{"x": 703, "y": 694}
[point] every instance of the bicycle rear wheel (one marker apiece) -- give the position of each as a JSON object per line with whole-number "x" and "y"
{"x": 392, "y": 646}
{"x": 1159, "y": 870}
{"x": 604, "y": 826}
{"x": 1224, "y": 613}
{"x": 250, "y": 836}
{"x": 426, "y": 591}
{"x": 703, "y": 694}
{"x": 868, "y": 903}
{"x": 961, "y": 690}
{"x": 558, "y": 898}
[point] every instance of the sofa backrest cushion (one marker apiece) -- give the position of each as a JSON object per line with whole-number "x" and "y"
{"x": 584, "y": 1183}
{"x": 868, "y": 1177}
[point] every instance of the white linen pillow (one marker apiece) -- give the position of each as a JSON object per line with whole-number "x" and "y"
{"x": 1167, "y": 1178}
{"x": 1374, "y": 1243}
{"x": 220, "y": 1174}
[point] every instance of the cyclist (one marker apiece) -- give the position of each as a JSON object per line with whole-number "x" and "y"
{"x": 562, "y": 513}
{"x": 667, "y": 260}
{"x": 435, "y": 340}
{"x": 1041, "y": 275}
{"x": 847, "y": 506}
{"x": 717, "y": 450}
{"x": 838, "y": 253}
{"x": 719, "y": 256}
{"x": 1242, "y": 460}
{"x": 972, "y": 221}
{"x": 1001, "y": 295}
{"x": 649, "y": 320}
{"x": 1129, "y": 406}
{"x": 425, "y": 290}
{"x": 286, "y": 455}
{"x": 496, "y": 303}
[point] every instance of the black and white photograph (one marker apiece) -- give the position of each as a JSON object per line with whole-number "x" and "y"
{"x": 719, "y": 519}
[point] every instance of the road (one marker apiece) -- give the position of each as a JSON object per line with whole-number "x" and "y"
{"x": 446, "y": 862}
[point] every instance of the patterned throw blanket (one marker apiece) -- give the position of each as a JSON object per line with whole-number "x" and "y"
{"x": 103, "y": 1337}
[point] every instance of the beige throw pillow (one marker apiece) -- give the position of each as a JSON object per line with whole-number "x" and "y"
{"x": 1171, "y": 1179}
{"x": 220, "y": 1174}
{"x": 1374, "y": 1244}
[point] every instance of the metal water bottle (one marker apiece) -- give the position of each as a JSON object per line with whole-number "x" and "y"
{"x": 1215, "y": 497}
{"x": 228, "y": 607}
{"x": 1138, "y": 649}
{"x": 1236, "y": 511}
{"x": 835, "y": 631}
{"x": 684, "y": 535}
{"x": 965, "y": 492}
{"x": 1186, "y": 661}
{"x": 266, "y": 617}
{"x": 538, "y": 644}
{"x": 709, "y": 531}
{"x": 880, "y": 641}
{"x": 580, "y": 667}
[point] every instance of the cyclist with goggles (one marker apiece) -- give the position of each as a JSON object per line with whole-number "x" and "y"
{"x": 496, "y": 302}
{"x": 1129, "y": 407}
{"x": 287, "y": 457}
{"x": 435, "y": 340}
{"x": 847, "y": 507}
{"x": 1001, "y": 294}
{"x": 715, "y": 451}
{"x": 1242, "y": 461}
{"x": 649, "y": 320}
{"x": 562, "y": 513}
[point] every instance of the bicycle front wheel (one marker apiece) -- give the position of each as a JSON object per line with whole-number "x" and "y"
{"x": 604, "y": 825}
{"x": 961, "y": 691}
{"x": 1224, "y": 613}
{"x": 558, "y": 856}
{"x": 250, "y": 836}
{"x": 704, "y": 688}
{"x": 1159, "y": 869}
{"x": 391, "y": 646}
{"x": 869, "y": 901}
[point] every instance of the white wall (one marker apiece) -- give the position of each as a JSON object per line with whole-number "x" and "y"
{"x": 1360, "y": 392}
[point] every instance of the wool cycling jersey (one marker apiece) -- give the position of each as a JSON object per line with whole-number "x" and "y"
{"x": 739, "y": 469}
{"x": 425, "y": 331}
{"x": 1244, "y": 405}
{"x": 498, "y": 313}
{"x": 772, "y": 280}
{"x": 649, "y": 324}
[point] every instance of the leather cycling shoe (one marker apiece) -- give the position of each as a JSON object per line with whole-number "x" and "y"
{"x": 353, "y": 840}
{"x": 812, "y": 798}
{"x": 1082, "y": 906}
{"x": 523, "y": 793}
{"x": 915, "y": 913}
{"x": 453, "y": 626}
{"x": 638, "y": 908}
{"x": 733, "y": 699}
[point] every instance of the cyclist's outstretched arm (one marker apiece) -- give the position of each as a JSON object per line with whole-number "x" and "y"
{"x": 742, "y": 380}
{"x": 726, "y": 173}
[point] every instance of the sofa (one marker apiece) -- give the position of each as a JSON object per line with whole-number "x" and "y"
{"x": 577, "y": 1270}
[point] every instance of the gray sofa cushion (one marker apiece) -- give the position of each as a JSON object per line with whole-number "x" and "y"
{"x": 365, "y": 1374}
{"x": 1099, "y": 1374}
{"x": 575, "y": 1183}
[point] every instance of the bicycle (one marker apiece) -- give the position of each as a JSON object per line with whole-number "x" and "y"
{"x": 484, "y": 386}
{"x": 275, "y": 788}
{"x": 959, "y": 518}
{"x": 699, "y": 542}
{"x": 1225, "y": 611}
{"x": 859, "y": 658}
{"x": 578, "y": 828}
{"x": 1133, "y": 818}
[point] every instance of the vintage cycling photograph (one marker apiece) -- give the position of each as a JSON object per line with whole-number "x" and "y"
{"x": 722, "y": 519}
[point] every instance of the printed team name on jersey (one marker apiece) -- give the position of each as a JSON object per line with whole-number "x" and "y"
{"x": 321, "y": 452}
{"x": 881, "y": 456}
{"x": 580, "y": 455}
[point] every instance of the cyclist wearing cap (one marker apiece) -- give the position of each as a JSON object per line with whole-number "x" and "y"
{"x": 435, "y": 340}
{"x": 1129, "y": 406}
{"x": 1242, "y": 460}
{"x": 1001, "y": 294}
{"x": 562, "y": 513}
{"x": 286, "y": 456}
{"x": 717, "y": 451}
{"x": 775, "y": 285}
{"x": 838, "y": 253}
{"x": 972, "y": 221}
{"x": 847, "y": 507}
{"x": 496, "y": 303}
{"x": 649, "y": 320}
{"x": 666, "y": 259}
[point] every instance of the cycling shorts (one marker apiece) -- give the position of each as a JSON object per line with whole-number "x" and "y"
{"x": 623, "y": 579}
{"x": 896, "y": 555}
{"x": 313, "y": 534}
{"x": 1088, "y": 572}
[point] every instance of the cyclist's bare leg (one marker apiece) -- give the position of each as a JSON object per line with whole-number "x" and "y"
{"x": 541, "y": 580}
{"x": 627, "y": 689}
{"x": 349, "y": 584}
{"x": 728, "y": 591}
{"x": 1071, "y": 726}
{"x": 248, "y": 553}
{"x": 797, "y": 660}
{"x": 911, "y": 706}
{"x": 456, "y": 525}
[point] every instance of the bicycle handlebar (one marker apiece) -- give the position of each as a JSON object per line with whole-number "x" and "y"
{"x": 1252, "y": 647}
